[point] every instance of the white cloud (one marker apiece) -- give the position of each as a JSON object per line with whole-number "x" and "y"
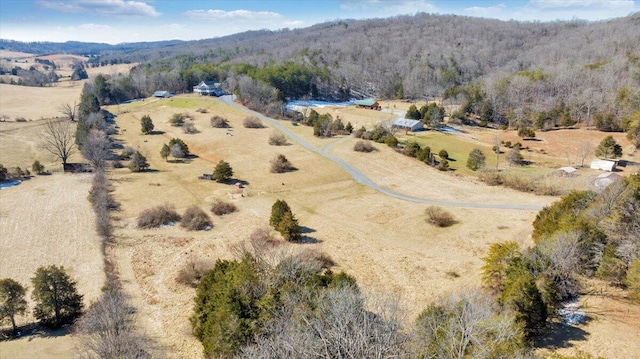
{"x": 103, "y": 7}
{"x": 577, "y": 9}
{"x": 235, "y": 14}
{"x": 91, "y": 27}
{"x": 488, "y": 11}
{"x": 388, "y": 7}
{"x": 573, "y": 4}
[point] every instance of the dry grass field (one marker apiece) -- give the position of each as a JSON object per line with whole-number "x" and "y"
{"x": 385, "y": 243}
{"x": 48, "y": 221}
{"x": 33, "y": 103}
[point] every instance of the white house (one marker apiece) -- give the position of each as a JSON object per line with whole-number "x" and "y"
{"x": 208, "y": 88}
{"x": 604, "y": 165}
{"x": 411, "y": 125}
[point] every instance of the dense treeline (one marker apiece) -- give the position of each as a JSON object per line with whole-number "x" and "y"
{"x": 516, "y": 74}
{"x": 538, "y": 75}
{"x": 583, "y": 235}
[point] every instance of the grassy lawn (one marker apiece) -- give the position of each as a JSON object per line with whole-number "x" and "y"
{"x": 457, "y": 147}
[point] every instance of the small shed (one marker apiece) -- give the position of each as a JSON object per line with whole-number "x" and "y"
{"x": 368, "y": 103}
{"x": 603, "y": 180}
{"x": 604, "y": 165}
{"x": 161, "y": 94}
{"x": 567, "y": 171}
{"x": 409, "y": 124}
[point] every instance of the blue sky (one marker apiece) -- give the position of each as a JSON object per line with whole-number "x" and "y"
{"x": 117, "y": 21}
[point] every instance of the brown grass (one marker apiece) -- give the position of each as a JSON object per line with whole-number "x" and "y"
{"x": 48, "y": 220}
{"x": 383, "y": 242}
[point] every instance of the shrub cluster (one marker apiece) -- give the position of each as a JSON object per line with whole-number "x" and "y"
{"x": 494, "y": 178}
{"x": 252, "y": 122}
{"x": 363, "y": 146}
{"x": 439, "y": 217}
{"x": 277, "y": 139}
{"x": 195, "y": 219}
{"x": 189, "y": 128}
{"x": 325, "y": 126}
{"x": 157, "y": 216}
{"x": 281, "y": 164}
{"x": 219, "y": 122}
{"x": 177, "y": 119}
{"x": 193, "y": 271}
{"x": 220, "y": 208}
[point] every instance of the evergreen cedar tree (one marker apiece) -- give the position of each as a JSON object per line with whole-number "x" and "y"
{"x": 165, "y": 151}
{"x": 476, "y": 159}
{"x": 12, "y": 301}
{"x": 609, "y": 148}
{"x": 283, "y": 221}
{"x": 147, "y": 124}
{"x": 56, "y": 297}
{"x": 138, "y": 162}
{"x": 222, "y": 172}
{"x": 237, "y": 299}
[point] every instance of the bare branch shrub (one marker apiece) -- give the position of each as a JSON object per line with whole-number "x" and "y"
{"x": 277, "y": 139}
{"x": 252, "y": 122}
{"x": 189, "y": 128}
{"x": 220, "y": 208}
{"x": 195, "y": 219}
{"x": 219, "y": 122}
{"x": 439, "y": 217}
{"x": 157, "y": 216}
{"x": 193, "y": 271}
{"x": 281, "y": 164}
{"x": 363, "y": 146}
{"x": 107, "y": 330}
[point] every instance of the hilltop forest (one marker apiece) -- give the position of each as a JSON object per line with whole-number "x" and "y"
{"x": 507, "y": 73}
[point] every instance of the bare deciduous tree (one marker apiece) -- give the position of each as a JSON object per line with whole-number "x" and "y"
{"x": 107, "y": 330}
{"x": 69, "y": 110}
{"x": 96, "y": 148}
{"x": 584, "y": 151}
{"x": 59, "y": 140}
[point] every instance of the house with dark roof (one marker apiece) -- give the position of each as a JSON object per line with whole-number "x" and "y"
{"x": 368, "y": 103}
{"x": 162, "y": 94}
{"x": 208, "y": 88}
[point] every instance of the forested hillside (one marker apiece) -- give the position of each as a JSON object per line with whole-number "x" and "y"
{"x": 519, "y": 74}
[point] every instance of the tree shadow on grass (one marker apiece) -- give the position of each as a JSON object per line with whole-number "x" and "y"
{"x": 305, "y": 230}
{"x": 154, "y": 132}
{"x": 235, "y": 182}
{"x": 561, "y": 335}
{"x": 32, "y": 331}
{"x": 308, "y": 240}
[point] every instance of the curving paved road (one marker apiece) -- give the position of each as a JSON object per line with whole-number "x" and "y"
{"x": 359, "y": 177}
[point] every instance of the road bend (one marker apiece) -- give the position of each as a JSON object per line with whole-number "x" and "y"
{"x": 362, "y": 179}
